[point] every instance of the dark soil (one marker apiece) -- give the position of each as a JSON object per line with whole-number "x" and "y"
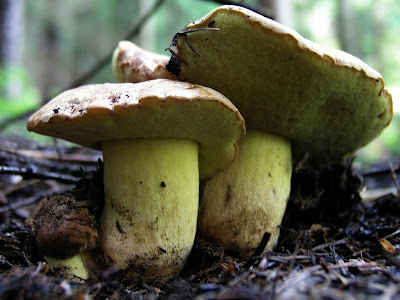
{"x": 332, "y": 244}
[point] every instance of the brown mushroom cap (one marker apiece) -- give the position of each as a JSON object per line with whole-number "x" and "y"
{"x": 131, "y": 63}
{"x": 159, "y": 108}
{"x": 62, "y": 226}
{"x": 326, "y": 101}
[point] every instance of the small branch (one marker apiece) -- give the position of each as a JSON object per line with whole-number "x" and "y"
{"x": 259, "y": 250}
{"x": 381, "y": 170}
{"x": 329, "y": 244}
{"x": 29, "y": 200}
{"x": 29, "y": 173}
{"x": 107, "y": 59}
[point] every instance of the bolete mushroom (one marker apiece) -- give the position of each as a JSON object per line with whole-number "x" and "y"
{"x": 65, "y": 231}
{"x": 130, "y": 63}
{"x": 326, "y": 102}
{"x": 158, "y": 138}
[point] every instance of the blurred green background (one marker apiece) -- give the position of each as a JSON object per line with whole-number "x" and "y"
{"x": 46, "y": 45}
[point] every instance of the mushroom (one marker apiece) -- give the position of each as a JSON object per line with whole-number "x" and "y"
{"x": 158, "y": 138}
{"x": 130, "y": 63}
{"x": 65, "y": 231}
{"x": 320, "y": 101}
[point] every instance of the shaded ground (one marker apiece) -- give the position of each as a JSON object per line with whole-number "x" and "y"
{"x": 332, "y": 245}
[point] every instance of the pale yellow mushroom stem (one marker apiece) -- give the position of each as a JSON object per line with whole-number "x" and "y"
{"x": 72, "y": 268}
{"x": 151, "y": 203}
{"x": 243, "y": 202}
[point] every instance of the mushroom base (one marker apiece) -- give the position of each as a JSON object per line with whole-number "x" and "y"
{"x": 149, "y": 219}
{"x": 243, "y": 202}
{"x": 72, "y": 268}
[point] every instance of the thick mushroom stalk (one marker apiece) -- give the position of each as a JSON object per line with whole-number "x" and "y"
{"x": 241, "y": 203}
{"x": 151, "y": 204}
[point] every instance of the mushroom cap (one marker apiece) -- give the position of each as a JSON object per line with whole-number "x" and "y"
{"x": 130, "y": 63}
{"x": 62, "y": 226}
{"x": 328, "y": 102}
{"x": 90, "y": 114}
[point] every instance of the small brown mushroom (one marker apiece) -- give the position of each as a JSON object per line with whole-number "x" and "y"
{"x": 64, "y": 230}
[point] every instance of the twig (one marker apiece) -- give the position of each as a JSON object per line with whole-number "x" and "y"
{"x": 33, "y": 151}
{"x": 95, "y": 69}
{"x": 214, "y": 267}
{"x": 233, "y": 283}
{"x": 65, "y": 157}
{"x": 30, "y": 173}
{"x": 381, "y": 171}
{"x": 300, "y": 259}
{"x": 19, "y": 185}
{"x": 107, "y": 59}
{"x": 320, "y": 270}
{"x": 260, "y": 248}
{"x": 302, "y": 162}
{"x": 329, "y": 244}
{"x": 184, "y": 33}
{"x": 27, "y": 201}
{"x": 392, "y": 234}
{"x": 356, "y": 264}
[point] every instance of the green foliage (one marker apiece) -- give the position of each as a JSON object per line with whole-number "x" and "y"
{"x": 17, "y": 93}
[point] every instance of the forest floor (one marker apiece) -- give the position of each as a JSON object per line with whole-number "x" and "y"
{"x": 333, "y": 245}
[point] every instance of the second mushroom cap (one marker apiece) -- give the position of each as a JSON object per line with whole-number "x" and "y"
{"x": 328, "y": 102}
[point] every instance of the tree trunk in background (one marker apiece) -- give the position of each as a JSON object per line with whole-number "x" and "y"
{"x": 346, "y": 30}
{"x": 146, "y": 35}
{"x": 48, "y": 59}
{"x": 11, "y": 41}
{"x": 282, "y": 10}
{"x": 378, "y": 37}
